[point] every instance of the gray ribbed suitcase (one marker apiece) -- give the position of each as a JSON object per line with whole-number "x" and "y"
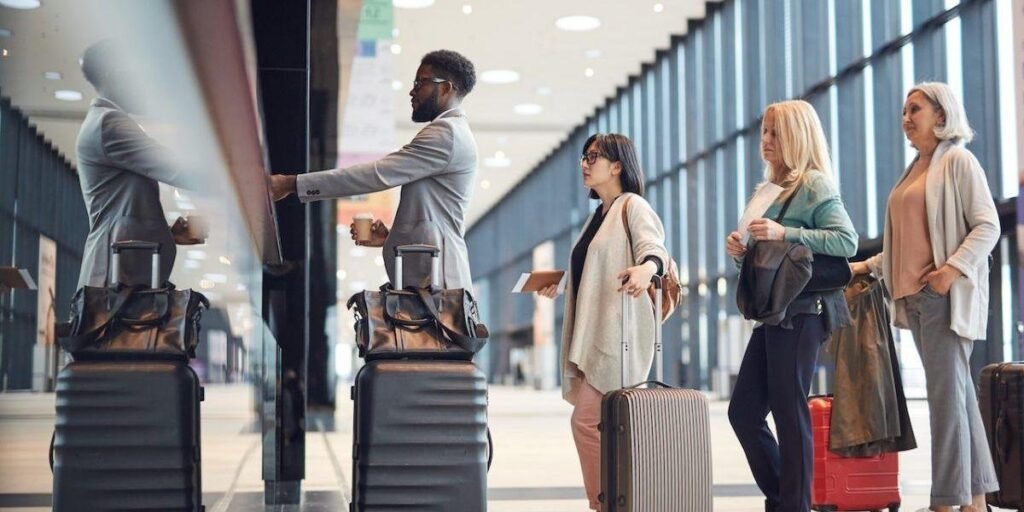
{"x": 655, "y": 442}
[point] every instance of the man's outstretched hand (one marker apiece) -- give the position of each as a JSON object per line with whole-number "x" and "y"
{"x": 282, "y": 185}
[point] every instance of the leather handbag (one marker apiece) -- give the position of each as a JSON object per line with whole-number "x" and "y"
{"x": 134, "y": 322}
{"x": 418, "y": 323}
{"x": 827, "y": 272}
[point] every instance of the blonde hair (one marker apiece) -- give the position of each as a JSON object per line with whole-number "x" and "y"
{"x": 940, "y": 95}
{"x": 804, "y": 147}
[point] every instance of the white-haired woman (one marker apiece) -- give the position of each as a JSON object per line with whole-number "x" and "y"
{"x": 775, "y": 375}
{"x": 940, "y": 227}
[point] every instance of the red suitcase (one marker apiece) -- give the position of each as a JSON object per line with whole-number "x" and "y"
{"x": 848, "y": 483}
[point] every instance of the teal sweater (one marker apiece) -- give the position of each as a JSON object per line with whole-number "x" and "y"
{"x": 817, "y": 218}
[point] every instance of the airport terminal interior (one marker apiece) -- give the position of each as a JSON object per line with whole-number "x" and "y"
{"x": 118, "y": 117}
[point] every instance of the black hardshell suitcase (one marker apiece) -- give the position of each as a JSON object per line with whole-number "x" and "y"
{"x": 127, "y": 437}
{"x": 127, "y": 431}
{"x": 420, "y": 437}
{"x": 1001, "y": 398}
{"x": 655, "y": 442}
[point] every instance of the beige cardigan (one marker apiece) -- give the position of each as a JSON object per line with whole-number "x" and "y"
{"x": 593, "y": 320}
{"x": 964, "y": 228}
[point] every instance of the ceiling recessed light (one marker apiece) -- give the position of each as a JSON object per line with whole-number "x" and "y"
{"x": 341, "y": 275}
{"x": 20, "y": 4}
{"x": 206, "y": 284}
{"x": 396, "y": 85}
{"x": 499, "y": 76}
{"x": 498, "y": 160}
{"x": 659, "y": 7}
{"x": 52, "y": 75}
{"x": 395, "y": 33}
{"x": 196, "y": 255}
{"x": 412, "y": 4}
{"x": 217, "y": 278}
{"x": 5, "y": 32}
{"x": 225, "y": 260}
{"x": 544, "y": 91}
{"x": 592, "y": 54}
{"x": 589, "y": 72}
{"x": 528, "y": 109}
{"x": 467, "y": 9}
{"x": 67, "y": 95}
{"x": 485, "y": 184}
{"x": 396, "y": 48}
{"x": 4, "y": 53}
{"x": 577, "y": 23}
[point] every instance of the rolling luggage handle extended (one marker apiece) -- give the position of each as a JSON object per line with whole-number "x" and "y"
{"x": 435, "y": 261}
{"x": 135, "y": 245}
{"x": 627, "y": 321}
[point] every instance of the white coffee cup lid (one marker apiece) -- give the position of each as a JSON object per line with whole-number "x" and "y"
{"x": 363, "y": 216}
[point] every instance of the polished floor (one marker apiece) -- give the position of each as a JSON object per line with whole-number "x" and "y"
{"x": 535, "y": 466}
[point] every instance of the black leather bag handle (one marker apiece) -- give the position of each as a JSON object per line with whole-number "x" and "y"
{"x": 785, "y": 206}
{"x": 467, "y": 343}
{"x": 76, "y": 343}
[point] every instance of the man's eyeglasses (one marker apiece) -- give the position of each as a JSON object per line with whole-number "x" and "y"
{"x": 416, "y": 84}
{"x": 590, "y": 157}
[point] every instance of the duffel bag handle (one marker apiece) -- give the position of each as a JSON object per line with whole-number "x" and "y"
{"x": 73, "y": 344}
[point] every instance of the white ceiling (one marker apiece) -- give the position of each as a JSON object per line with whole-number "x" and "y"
{"x": 521, "y": 36}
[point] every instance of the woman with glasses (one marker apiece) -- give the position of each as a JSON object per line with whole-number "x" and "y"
{"x": 775, "y": 375}
{"x": 940, "y": 227}
{"x": 603, "y": 265}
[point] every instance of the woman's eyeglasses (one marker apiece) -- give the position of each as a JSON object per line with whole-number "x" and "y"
{"x": 590, "y": 157}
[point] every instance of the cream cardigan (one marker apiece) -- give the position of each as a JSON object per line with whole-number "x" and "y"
{"x": 964, "y": 228}
{"x": 592, "y": 324}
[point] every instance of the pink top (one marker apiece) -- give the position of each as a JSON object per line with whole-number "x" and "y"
{"x": 912, "y": 247}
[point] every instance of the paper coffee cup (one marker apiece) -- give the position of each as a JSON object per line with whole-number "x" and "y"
{"x": 197, "y": 227}
{"x": 364, "y": 225}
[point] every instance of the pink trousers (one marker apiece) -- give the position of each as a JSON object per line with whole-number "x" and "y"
{"x": 585, "y": 418}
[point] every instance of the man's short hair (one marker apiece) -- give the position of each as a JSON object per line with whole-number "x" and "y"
{"x": 104, "y": 58}
{"x": 452, "y": 66}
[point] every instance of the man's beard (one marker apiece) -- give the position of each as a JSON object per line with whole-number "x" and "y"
{"x": 427, "y": 110}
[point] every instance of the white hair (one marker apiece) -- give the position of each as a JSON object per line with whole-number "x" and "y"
{"x": 940, "y": 95}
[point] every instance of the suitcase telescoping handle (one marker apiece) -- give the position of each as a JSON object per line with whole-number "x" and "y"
{"x": 435, "y": 261}
{"x": 627, "y": 323}
{"x": 135, "y": 245}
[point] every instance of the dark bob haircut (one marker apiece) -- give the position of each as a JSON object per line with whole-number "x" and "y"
{"x": 452, "y": 66}
{"x": 618, "y": 148}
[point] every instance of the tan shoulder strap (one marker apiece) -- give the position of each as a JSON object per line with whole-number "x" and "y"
{"x": 625, "y": 222}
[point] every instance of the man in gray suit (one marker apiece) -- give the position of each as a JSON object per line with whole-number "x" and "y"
{"x": 119, "y": 166}
{"x": 435, "y": 170}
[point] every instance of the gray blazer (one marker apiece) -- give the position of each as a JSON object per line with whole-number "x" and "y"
{"x": 119, "y": 166}
{"x": 436, "y": 172}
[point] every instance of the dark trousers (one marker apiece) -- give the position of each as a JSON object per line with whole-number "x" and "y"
{"x": 775, "y": 376}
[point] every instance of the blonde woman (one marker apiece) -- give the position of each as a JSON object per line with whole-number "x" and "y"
{"x": 940, "y": 227}
{"x": 775, "y": 375}
{"x": 603, "y": 265}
